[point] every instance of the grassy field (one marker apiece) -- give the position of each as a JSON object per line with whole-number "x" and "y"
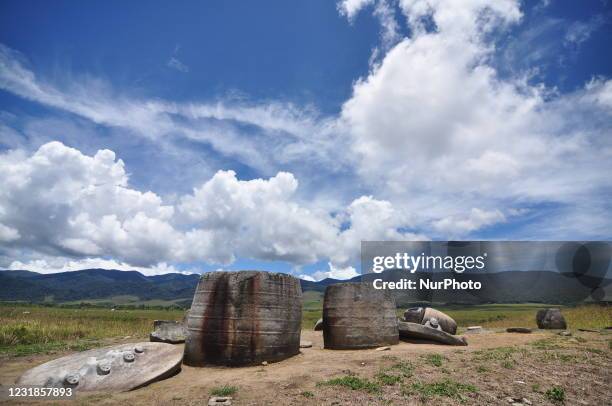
{"x": 26, "y": 329}
{"x": 523, "y": 315}
{"x": 33, "y": 329}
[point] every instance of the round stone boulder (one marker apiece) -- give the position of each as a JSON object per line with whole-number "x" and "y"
{"x": 551, "y": 319}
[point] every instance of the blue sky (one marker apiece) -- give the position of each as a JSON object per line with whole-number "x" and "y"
{"x": 275, "y": 135}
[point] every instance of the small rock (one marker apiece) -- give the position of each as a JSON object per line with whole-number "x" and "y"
{"x": 264, "y": 363}
{"x": 565, "y": 333}
{"x": 383, "y": 349}
{"x": 520, "y": 382}
{"x": 318, "y": 325}
{"x": 305, "y": 344}
{"x": 523, "y": 330}
{"x": 475, "y": 330}
{"x": 168, "y": 331}
{"x": 510, "y": 400}
{"x": 26, "y": 312}
{"x": 526, "y": 401}
{"x": 220, "y": 401}
{"x": 363, "y": 364}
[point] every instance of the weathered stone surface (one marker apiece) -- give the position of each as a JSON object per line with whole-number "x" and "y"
{"x": 168, "y": 331}
{"x": 422, "y": 315}
{"x": 551, "y": 319}
{"x": 244, "y": 318}
{"x": 319, "y": 325}
{"x": 414, "y": 315}
{"x": 118, "y": 368}
{"x": 523, "y": 330}
{"x": 355, "y": 315}
{"x": 418, "y": 331}
{"x": 220, "y": 401}
{"x": 433, "y": 323}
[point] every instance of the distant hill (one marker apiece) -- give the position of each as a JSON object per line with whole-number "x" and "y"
{"x": 100, "y": 284}
{"x": 93, "y": 284}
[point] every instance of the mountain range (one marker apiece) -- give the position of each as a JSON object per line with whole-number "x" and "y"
{"x": 101, "y": 284}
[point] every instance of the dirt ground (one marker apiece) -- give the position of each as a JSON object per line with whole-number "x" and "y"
{"x": 498, "y": 365}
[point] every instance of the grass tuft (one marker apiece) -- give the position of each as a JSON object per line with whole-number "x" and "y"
{"x": 406, "y": 369}
{"x": 353, "y": 382}
{"x": 387, "y": 379}
{"x": 447, "y": 388}
{"x": 556, "y": 394}
{"x": 225, "y": 390}
{"x": 434, "y": 359}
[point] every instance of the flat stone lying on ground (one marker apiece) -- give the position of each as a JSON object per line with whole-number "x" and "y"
{"x": 523, "y": 330}
{"x": 220, "y": 401}
{"x": 476, "y": 330}
{"x": 168, "y": 331}
{"x": 305, "y": 344}
{"x": 418, "y": 331}
{"x": 110, "y": 369}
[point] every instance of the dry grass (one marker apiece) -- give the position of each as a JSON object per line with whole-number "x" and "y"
{"x": 26, "y": 329}
{"x": 590, "y": 316}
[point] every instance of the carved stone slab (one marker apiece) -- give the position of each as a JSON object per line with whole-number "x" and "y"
{"x": 118, "y": 368}
{"x": 421, "y": 332}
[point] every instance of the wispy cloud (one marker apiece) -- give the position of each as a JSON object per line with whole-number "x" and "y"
{"x": 433, "y": 142}
{"x": 580, "y": 31}
{"x": 174, "y": 63}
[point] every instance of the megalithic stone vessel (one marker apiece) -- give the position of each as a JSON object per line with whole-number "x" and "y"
{"x": 355, "y": 315}
{"x": 118, "y": 368}
{"x": 422, "y": 315}
{"x": 244, "y": 318}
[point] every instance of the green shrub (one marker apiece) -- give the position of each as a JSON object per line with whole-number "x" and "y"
{"x": 556, "y": 394}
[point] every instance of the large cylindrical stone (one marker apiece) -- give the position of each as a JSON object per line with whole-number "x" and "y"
{"x": 550, "y": 319}
{"x": 355, "y": 315}
{"x": 244, "y": 318}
